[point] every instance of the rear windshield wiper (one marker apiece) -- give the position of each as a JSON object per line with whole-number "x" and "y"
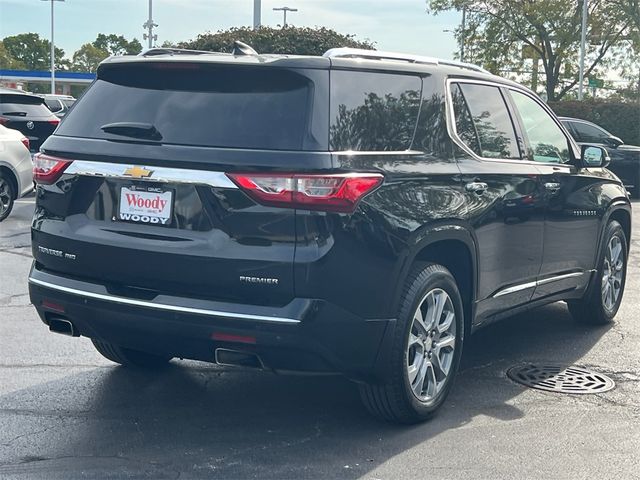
{"x": 133, "y": 129}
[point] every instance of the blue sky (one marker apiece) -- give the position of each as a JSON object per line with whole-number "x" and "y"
{"x": 398, "y": 25}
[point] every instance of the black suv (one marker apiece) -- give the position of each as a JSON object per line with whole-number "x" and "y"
{"x": 27, "y": 114}
{"x": 359, "y": 213}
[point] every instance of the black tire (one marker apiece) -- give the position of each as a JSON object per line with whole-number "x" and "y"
{"x": 394, "y": 400}
{"x": 7, "y": 195}
{"x": 130, "y": 358}
{"x": 592, "y": 308}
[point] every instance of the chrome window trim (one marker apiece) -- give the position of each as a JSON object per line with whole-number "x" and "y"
{"x": 160, "y": 174}
{"x": 451, "y": 124}
{"x": 162, "y": 306}
{"x": 544, "y": 281}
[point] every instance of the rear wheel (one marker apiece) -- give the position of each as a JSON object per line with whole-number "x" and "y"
{"x": 426, "y": 349}
{"x": 7, "y": 196}
{"x": 128, "y": 357}
{"x": 602, "y": 301}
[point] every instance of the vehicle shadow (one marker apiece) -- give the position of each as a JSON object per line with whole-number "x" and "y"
{"x": 201, "y": 421}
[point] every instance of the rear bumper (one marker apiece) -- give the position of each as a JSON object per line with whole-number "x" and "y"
{"x": 306, "y": 335}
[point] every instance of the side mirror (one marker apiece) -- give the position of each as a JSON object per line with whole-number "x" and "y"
{"x": 593, "y": 156}
{"x": 613, "y": 141}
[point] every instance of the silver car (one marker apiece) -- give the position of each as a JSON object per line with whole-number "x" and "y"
{"x": 16, "y": 169}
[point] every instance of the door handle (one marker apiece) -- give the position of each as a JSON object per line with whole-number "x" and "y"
{"x": 476, "y": 187}
{"x": 552, "y": 186}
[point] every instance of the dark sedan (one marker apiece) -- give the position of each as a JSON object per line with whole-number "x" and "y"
{"x": 27, "y": 114}
{"x": 625, "y": 159}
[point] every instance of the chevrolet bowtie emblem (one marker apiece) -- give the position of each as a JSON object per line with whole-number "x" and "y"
{"x": 138, "y": 172}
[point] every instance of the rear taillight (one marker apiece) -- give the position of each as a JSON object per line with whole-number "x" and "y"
{"x": 54, "y": 121}
{"x": 4, "y": 120}
{"x": 48, "y": 169}
{"x": 25, "y": 142}
{"x": 332, "y": 193}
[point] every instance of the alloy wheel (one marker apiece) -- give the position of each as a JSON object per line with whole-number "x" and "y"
{"x": 613, "y": 271}
{"x": 431, "y": 345}
{"x": 5, "y": 196}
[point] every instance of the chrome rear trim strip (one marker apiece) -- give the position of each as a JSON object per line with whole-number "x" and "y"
{"x": 157, "y": 174}
{"x": 162, "y": 306}
{"x": 544, "y": 281}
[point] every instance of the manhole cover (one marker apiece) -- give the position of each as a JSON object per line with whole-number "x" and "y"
{"x": 554, "y": 378}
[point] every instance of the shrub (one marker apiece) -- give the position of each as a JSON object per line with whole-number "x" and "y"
{"x": 290, "y": 40}
{"x": 621, "y": 119}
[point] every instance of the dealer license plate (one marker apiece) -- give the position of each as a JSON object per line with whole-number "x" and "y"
{"x": 145, "y": 205}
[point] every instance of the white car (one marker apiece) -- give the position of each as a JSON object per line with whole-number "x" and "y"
{"x": 16, "y": 169}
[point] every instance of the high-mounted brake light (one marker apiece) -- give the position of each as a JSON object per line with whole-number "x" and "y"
{"x": 48, "y": 169}
{"x": 331, "y": 193}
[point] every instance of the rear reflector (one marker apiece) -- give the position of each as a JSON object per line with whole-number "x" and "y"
{"x": 229, "y": 337}
{"x": 48, "y": 169}
{"x": 331, "y": 193}
{"x": 48, "y": 304}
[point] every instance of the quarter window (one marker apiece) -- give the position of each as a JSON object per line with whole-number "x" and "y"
{"x": 483, "y": 122}
{"x": 547, "y": 141}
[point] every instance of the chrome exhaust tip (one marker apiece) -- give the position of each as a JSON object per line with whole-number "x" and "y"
{"x": 62, "y": 326}
{"x": 237, "y": 358}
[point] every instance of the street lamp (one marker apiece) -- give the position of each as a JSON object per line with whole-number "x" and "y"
{"x": 583, "y": 42}
{"x": 53, "y": 50}
{"x": 285, "y": 10}
{"x": 257, "y": 14}
{"x": 149, "y": 26}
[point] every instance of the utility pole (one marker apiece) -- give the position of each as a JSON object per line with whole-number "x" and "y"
{"x": 53, "y": 50}
{"x": 149, "y": 25}
{"x": 257, "y": 14}
{"x": 583, "y": 46}
{"x": 463, "y": 33}
{"x": 285, "y": 10}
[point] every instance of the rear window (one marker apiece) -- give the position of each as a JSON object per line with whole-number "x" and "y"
{"x": 207, "y": 105}
{"x": 373, "y": 111}
{"x": 23, "y": 106}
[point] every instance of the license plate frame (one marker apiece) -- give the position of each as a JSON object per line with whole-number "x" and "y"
{"x": 148, "y": 213}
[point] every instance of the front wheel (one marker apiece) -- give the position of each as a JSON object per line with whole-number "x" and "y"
{"x": 426, "y": 349}
{"x": 602, "y": 301}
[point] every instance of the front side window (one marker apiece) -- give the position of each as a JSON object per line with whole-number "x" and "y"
{"x": 483, "y": 122}
{"x": 589, "y": 133}
{"x": 546, "y": 139}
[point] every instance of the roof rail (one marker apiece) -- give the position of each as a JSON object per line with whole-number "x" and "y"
{"x": 175, "y": 51}
{"x": 378, "y": 55}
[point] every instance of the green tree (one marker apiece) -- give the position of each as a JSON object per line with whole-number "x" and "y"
{"x": 291, "y": 40}
{"x": 34, "y": 52}
{"x": 7, "y": 60}
{"x": 508, "y": 34}
{"x": 87, "y": 58}
{"x": 117, "y": 44}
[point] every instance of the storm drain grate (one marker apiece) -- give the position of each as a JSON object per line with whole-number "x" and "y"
{"x": 554, "y": 378}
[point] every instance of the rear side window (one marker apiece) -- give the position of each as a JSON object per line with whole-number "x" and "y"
{"x": 23, "y": 106}
{"x": 373, "y": 111}
{"x": 206, "y": 105}
{"x": 483, "y": 122}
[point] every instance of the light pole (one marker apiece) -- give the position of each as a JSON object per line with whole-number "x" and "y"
{"x": 149, "y": 26}
{"x": 53, "y": 50}
{"x": 257, "y": 14}
{"x": 285, "y": 10}
{"x": 583, "y": 46}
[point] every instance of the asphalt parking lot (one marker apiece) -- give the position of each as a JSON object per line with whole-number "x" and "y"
{"x": 65, "y": 412}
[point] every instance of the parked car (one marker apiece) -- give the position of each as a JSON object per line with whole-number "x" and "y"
{"x": 359, "y": 213}
{"x": 625, "y": 159}
{"x": 27, "y": 114}
{"x": 58, "y": 104}
{"x": 16, "y": 179}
